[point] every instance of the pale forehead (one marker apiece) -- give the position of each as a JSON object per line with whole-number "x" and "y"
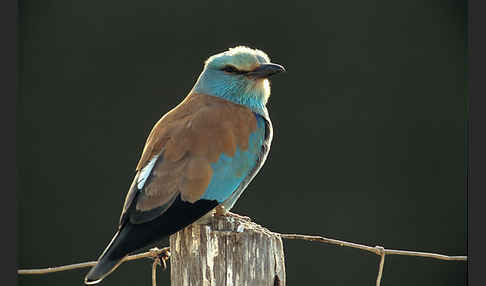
{"x": 240, "y": 57}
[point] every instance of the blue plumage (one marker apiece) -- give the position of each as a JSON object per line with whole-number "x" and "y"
{"x": 229, "y": 172}
{"x": 177, "y": 179}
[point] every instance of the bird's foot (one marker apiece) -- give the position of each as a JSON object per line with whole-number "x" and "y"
{"x": 222, "y": 211}
{"x": 160, "y": 256}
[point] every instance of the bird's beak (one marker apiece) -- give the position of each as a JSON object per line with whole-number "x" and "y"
{"x": 265, "y": 70}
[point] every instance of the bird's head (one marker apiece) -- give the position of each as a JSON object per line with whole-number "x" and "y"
{"x": 240, "y": 75}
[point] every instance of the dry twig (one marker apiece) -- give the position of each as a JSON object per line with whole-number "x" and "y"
{"x": 154, "y": 271}
{"x": 161, "y": 255}
{"x": 152, "y": 253}
{"x": 378, "y": 250}
{"x": 380, "y": 267}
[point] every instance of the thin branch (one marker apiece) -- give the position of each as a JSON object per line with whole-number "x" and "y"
{"x": 153, "y": 253}
{"x": 376, "y": 250}
{"x": 154, "y": 271}
{"x": 57, "y": 269}
{"x": 159, "y": 256}
{"x": 380, "y": 267}
{"x": 426, "y": 254}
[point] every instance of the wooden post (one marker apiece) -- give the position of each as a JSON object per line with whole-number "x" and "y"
{"x": 226, "y": 250}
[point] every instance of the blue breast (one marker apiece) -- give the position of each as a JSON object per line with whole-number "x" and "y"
{"x": 229, "y": 172}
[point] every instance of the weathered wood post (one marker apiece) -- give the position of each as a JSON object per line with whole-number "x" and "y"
{"x": 226, "y": 250}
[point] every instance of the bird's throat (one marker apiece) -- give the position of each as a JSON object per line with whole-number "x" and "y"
{"x": 252, "y": 93}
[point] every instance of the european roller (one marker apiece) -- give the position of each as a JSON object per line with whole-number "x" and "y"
{"x": 199, "y": 156}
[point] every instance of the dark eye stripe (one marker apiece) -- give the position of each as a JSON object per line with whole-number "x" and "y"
{"x": 232, "y": 69}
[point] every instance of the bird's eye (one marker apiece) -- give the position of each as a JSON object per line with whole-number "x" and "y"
{"x": 230, "y": 69}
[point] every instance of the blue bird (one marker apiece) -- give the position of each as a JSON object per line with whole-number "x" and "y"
{"x": 199, "y": 156}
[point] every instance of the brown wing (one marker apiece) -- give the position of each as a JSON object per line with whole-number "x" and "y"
{"x": 187, "y": 140}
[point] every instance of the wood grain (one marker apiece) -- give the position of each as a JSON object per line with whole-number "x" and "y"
{"x": 226, "y": 250}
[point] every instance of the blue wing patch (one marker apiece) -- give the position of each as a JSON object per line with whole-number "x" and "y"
{"x": 229, "y": 172}
{"x": 145, "y": 172}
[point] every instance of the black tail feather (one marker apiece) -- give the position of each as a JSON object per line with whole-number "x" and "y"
{"x": 132, "y": 237}
{"x": 108, "y": 261}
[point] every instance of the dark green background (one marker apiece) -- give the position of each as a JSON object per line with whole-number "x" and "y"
{"x": 370, "y": 127}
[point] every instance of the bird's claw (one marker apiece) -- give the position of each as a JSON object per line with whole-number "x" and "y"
{"x": 220, "y": 211}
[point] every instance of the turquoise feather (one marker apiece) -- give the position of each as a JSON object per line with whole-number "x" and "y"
{"x": 229, "y": 172}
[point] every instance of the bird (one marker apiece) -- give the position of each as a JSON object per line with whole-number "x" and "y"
{"x": 199, "y": 157}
